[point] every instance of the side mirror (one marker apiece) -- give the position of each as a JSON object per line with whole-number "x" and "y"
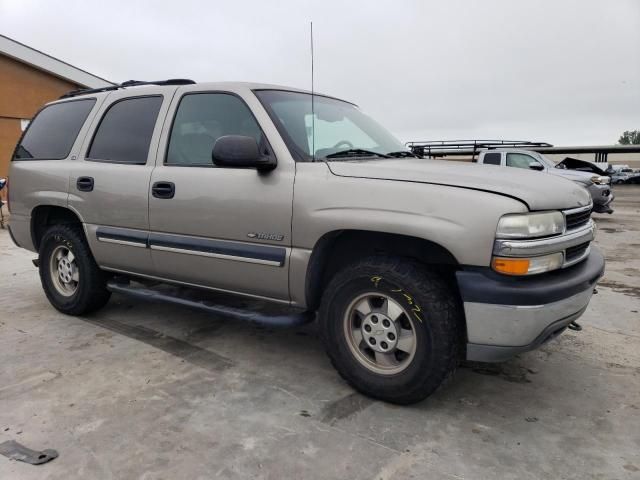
{"x": 536, "y": 166}
{"x": 238, "y": 151}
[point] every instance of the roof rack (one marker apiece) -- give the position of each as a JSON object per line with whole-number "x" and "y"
{"x": 128, "y": 83}
{"x": 439, "y": 148}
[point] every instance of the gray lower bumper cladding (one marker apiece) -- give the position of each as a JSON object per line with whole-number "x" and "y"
{"x": 506, "y": 315}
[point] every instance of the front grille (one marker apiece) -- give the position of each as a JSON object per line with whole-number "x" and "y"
{"x": 575, "y": 252}
{"x": 575, "y": 220}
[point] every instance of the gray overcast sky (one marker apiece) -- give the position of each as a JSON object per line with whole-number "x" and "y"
{"x": 562, "y": 71}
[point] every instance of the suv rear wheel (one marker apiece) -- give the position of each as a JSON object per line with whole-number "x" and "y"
{"x": 71, "y": 279}
{"x": 391, "y": 328}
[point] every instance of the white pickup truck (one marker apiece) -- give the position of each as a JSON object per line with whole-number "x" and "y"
{"x": 597, "y": 185}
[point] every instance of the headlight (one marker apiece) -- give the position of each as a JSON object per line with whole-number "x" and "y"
{"x": 527, "y": 266}
{"x": 530, "y": 225}
{"x": 600, "y": 180}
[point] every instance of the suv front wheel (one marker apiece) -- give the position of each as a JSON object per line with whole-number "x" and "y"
{"x": 71, "y": 279}
{"x": 391, "y": 328}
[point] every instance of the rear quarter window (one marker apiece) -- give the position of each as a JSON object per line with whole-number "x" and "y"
{"x": 125, "y": 131}
{"x": 52, "y": 132}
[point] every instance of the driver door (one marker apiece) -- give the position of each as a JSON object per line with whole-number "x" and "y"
{"x": 522, "y": 160}
{"x": 223, "y": 228}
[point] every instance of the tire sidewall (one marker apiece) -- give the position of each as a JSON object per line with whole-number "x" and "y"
{"x": 61, "y": 236}
{"x": 429, "y": 341}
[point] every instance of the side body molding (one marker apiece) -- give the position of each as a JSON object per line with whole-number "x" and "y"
{"x": 235, "y": 251}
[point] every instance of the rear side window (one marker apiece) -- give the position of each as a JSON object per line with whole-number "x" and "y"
{"x": 491, "y": 158}
{"x": 125, "y": 131}
{"x": 51, "y": 134}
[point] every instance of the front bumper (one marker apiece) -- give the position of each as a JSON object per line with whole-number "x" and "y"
{"x": 507, "y": 315}
{"x": 602, "y": 196}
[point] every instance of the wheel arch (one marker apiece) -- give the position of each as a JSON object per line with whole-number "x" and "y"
{"x": 337, "y": 248}
{"x": 43, "y": 216}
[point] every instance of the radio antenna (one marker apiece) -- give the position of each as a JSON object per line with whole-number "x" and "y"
{"x": 313, "y": 116}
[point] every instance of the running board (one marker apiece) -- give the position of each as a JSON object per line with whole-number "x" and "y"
{"x": 175, "y": 296}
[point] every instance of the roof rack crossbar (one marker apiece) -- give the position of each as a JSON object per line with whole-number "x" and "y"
{"x": 448, "y": 147}
{"x": 128, "y": 83}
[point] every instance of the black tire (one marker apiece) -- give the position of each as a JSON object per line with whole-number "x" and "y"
{"x": 91, "y": 290}
{"x": 437, "y": 326}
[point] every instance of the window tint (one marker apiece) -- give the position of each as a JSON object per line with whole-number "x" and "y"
{"x": 492, "y": 158}
{"x": 52, "y": 133}
{"x": 201, "y": 119}
{"x": 520, "y": 160}
{"x": 124, "y": 133}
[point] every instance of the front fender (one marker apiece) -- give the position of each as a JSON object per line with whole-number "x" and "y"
{"x": 463, "y": 221}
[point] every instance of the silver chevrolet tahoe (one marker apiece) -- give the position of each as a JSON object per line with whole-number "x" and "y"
{"x": 300, "y": 201}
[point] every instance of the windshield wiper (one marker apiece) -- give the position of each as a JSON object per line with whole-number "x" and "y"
{"x": 402, "y": 154}
{"x": 356, "y": 152}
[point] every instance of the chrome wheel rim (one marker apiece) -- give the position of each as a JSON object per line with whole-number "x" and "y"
{"x": 380, "y": 333}
{"x": 64, "y": 271}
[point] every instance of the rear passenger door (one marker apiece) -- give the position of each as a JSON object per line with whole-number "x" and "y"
{"x": 109, "y": 183}
{"x": 225, "y": 228}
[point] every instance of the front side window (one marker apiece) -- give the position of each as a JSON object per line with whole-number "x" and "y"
{"x": 520, "y": 160}
{"x": 51, "y": 134}
{"x": 125, "y": 131}
{"x": 492, "y": 158}
{"x": 201, "y": 119}
{"x": 326, "y": 127}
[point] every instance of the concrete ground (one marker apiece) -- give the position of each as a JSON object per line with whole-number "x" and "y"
{"x": 154, "y": 391}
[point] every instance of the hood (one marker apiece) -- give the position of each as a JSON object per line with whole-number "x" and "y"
{"x": 537, "y": 190}
{"x": 573, "y": 175}
{"x": 582, "y": 165}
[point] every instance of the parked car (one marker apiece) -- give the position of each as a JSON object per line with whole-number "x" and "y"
{"x": 305, "y": 202}
{"x": 598, "y": 185}
{"x": 632, "y": 175}
{"x": 619, "y": 176}
{"x": 623, "y": 174}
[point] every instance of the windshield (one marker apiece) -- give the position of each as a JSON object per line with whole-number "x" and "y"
{"x": 545, "y": 161}
{"x": 340, "y": 127}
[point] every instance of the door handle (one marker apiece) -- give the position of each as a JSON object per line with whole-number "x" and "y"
{"x": 85, "y": 184}
{"x": 163, "y": 189}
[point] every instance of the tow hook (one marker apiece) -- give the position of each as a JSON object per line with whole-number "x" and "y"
{"x": 575, "y": 326}
{"x": 36, "y": 262}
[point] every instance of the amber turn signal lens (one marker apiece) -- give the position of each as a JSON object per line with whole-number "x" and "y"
{"x": 511, "y": 266}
